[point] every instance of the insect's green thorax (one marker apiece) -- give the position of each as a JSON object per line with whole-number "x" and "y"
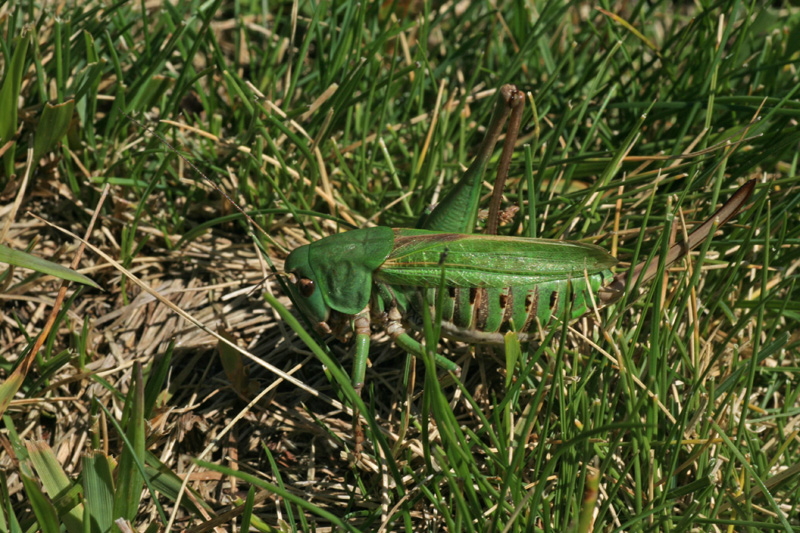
{"x": 341, "y": 267}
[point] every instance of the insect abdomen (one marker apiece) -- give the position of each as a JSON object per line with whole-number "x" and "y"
{"x": 495, "y": 309}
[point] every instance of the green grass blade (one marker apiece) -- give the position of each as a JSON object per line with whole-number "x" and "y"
{"x": 9, "y": 97}
{"x": 98, "y": 489}
{"x": 32, "y": 262}
{"x": 129, "y": 478}
{"x": 45, "y": 512}
{"x": 53, "y": 125}
{"x": 57, "y": 485}
{"x": 299, "y": 501}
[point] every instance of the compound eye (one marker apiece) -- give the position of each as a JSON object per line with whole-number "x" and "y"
{"x": 306, "y": 287}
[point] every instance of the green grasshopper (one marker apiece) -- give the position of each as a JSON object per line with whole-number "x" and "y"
{"x": 493, "y": 284}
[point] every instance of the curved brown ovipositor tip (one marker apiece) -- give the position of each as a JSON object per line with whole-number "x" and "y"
{"x": 729, "y": 209}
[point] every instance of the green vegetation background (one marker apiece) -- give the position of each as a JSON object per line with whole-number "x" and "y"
{"x": 677, "y": 412}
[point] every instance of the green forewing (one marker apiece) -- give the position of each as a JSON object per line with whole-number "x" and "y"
{"x": 343, "y": 265}
{"x": 486, "y": 260}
